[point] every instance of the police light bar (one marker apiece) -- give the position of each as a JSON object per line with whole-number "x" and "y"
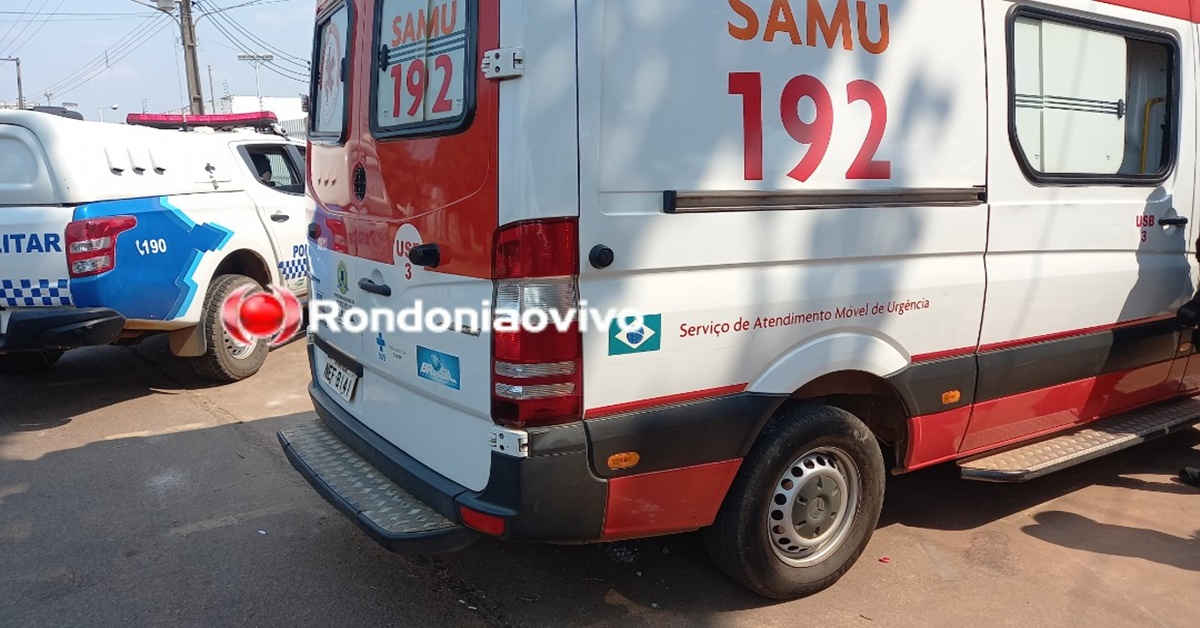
{"x": 258, "y": 119}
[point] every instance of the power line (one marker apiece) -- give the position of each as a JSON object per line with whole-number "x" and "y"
{"x": 20, "y": 17}
{"x": 59, "y": 18}
{"x": 281, "y": 71}
{"x": 123, "y": 47}
{"x": 69, "y": 21}
{"x": 38, "y": 29}
{"x": 284, "y": 55}
{"x": 126, "y": 53}
{"x": 26, "y": 26}
{"x": 104, "y": 57}
{"x": 218, "y": 15}
{"x": 81, "y": 13}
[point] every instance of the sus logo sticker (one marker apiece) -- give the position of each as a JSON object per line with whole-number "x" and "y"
{"x": 627, "y": 337}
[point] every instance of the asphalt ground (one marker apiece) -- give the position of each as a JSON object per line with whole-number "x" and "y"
{"x": 132, "y": 493}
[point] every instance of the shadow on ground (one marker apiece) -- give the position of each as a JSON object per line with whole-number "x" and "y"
{"x": 1079, "y": 532}
{"x": 89, "y": 379}
{"x": 937, "y": 499}
{"x": 212, "y": 527}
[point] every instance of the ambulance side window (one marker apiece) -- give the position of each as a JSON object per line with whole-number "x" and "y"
{"x": 1091, "y": 104}
{"x": 273, "y": 167}
{"x": 330, "y": 69}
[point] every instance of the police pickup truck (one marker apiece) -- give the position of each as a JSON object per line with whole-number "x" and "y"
{"x": 115, "y": 232}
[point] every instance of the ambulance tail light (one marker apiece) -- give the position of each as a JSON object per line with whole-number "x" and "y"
{"x": 329, "y": 232}
{"x": 537, "y": 376}
{"x": 92, "y": 244}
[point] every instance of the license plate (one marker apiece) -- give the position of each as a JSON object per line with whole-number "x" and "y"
{"x": 341, "y": 379}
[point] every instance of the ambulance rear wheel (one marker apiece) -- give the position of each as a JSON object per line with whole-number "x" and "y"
{"x": 225, "y": 359}
{"x": 803, "y": 506}
{"x": 28, "y": 362}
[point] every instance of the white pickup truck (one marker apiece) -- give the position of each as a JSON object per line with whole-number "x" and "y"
{"x": 114, "y": 232}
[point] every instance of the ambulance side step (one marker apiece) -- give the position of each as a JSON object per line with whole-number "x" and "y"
{"x": 1082, "y": 444}
{"x": 397, "y": 520}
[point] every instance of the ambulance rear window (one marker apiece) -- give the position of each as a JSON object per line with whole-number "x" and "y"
{"x": 329, "y": 89}
{"x": 424, "y": 67}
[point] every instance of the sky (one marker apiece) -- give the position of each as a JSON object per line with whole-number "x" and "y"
{"x": 62, "y": 45}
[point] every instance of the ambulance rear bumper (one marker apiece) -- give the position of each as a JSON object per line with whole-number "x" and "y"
{"x": 528, "y": 493}
{"x": 58, "y": 328}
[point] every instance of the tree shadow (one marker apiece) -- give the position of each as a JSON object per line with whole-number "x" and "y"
{"x": 1173, "y": 485}
{"x": 939, "y": 499}
{"x": 115, "y": 529}
{"x": 110, "y": 529}
{"x": 1078, "y": 532}
{"x": 88, "y": 379}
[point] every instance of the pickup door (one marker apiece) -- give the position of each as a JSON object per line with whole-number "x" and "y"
{"x": 278, "y": 191}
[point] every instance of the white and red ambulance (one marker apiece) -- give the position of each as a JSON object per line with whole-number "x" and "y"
{"x": 865, "y": 235}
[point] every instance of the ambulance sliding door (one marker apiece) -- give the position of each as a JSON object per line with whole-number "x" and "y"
{"x": 1091, "y": 192}
{"x": 1190, "y": 380}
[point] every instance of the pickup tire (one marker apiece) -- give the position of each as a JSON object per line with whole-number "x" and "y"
{"x": 28, "y": 362}
{"x": 803, "y": 505}
{"x": 225, "y": 360}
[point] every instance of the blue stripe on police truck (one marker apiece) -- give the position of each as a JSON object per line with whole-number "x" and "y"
{"x": 159, "y": 286}
{"x": 34, "y": 292}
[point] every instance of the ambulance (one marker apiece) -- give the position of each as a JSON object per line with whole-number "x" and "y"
{"x": 865, "y": 237}
{"x": 113, "y": 233}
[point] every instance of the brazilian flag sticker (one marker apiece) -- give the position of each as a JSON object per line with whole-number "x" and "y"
{"x": 626, "y": 337}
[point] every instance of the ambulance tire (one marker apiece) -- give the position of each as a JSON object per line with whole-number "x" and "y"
{"x": 25, "y": 363}
{"x": 809, "y": 462}
{"x": 223, "y": 360}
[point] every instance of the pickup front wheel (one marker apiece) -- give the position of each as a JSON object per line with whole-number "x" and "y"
{"x": 225, "y": 359}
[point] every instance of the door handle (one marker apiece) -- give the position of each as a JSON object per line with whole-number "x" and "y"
{"x": 1178, "y": 221}
{"x": 383, "y": 290}
{"x": 280, "y": 217}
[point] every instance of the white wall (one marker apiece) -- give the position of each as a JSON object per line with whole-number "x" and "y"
{"x": 283, "y": 108}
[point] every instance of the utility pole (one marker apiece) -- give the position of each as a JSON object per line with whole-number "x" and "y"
{"x": 20, "y": 88}
{"x": 187, "y": 29}
{"x": 257, "y": 60}
{"x": 212, "y": 92}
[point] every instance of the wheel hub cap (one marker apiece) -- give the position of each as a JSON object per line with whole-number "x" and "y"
{"x": 236, "y": 350}
{"x": 812, "y": 506}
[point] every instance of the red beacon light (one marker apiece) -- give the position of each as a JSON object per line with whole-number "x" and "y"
{"x": 262, "y": 120}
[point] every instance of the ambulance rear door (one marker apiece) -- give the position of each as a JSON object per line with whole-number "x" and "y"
{"x": 419, "y": 169}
